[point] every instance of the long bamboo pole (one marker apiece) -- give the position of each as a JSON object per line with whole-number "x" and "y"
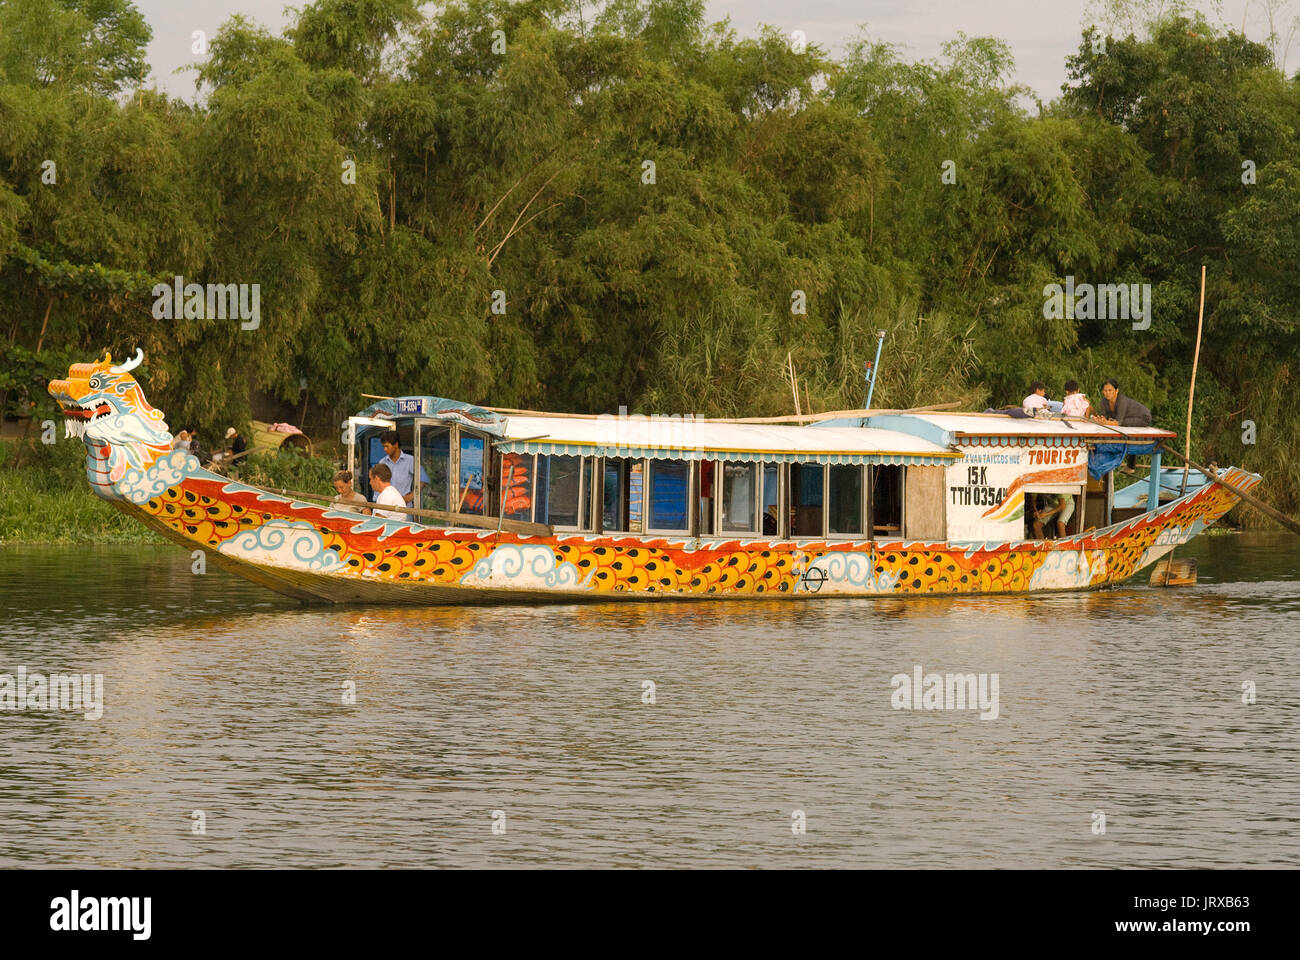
{"x": 1250, "y": 498}
{"x": 797, "y": 418}
{"x": 40, "y": 341}
{"x": 1191, "y": 391}
{"x": 794, "y": 383}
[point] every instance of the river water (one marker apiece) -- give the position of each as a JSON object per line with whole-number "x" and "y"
{"x": 515, "y": 736}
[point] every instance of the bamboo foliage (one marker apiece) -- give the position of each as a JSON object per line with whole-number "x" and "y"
{"x": 574, "y": 206}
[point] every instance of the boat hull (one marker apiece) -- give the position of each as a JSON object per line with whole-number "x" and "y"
{"x": 317, "y": 554}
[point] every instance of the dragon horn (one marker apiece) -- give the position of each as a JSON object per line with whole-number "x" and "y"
{"x": 130, "y": 364}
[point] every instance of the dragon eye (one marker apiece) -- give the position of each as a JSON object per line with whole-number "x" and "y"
{"x": 97, "y": 382}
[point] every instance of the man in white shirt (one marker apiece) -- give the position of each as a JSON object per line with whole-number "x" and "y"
{"x": 386, "y": 493}
{"x": 1037, "y": 397}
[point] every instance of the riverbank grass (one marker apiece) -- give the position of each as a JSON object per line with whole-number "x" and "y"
{"x": 46, "y": 499}
{"x": 32, "y": 511}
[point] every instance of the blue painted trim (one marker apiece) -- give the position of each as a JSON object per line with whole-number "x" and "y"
{"x": 914, "y": 426}
{"x": 1153, "y": 483}
{"x": 439, "y": 408}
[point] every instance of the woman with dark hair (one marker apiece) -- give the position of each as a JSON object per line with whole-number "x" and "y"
{"x": 1119, "y": 410}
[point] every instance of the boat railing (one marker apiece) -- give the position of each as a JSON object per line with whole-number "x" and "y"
{"x": 445, "y": 518}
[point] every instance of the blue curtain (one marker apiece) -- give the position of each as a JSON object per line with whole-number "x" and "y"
{"x": 1105, "y": 457}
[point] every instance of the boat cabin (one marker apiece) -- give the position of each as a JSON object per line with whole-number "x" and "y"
{"x": 959, "y": 477}
{"x": 1007, "y": 460}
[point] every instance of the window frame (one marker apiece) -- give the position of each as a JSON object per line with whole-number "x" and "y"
{"x": 624, "y": 466}
{"x": 532, "y": 488}
{"x": 421, "y": 424}
{"x": 863, "y": 503}
{"x": 902, "y": 502}
{"x": 458, "y": 434}
{"x": 583, "y": 483}
{"x": 756, "y": 507}
{"x": 647, "y": 485}
{"x": 802, "y": 465}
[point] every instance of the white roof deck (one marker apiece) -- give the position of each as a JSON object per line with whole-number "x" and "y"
{"x": 684, "y": 438}
{"x": 965, "y": 427}
{"x": 999, "y": 425}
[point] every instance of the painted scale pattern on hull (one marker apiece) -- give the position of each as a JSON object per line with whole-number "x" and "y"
{"x": 276, "y": 534}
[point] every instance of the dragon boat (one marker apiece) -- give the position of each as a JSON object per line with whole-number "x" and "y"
{"x": 517, "y": 506}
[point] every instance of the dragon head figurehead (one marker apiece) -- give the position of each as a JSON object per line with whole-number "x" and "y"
{"x": 125, "y": 437}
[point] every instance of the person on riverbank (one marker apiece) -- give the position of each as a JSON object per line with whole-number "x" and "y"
{"x": 1118, "y": 410}
{"x": 353, "y": 500}
{"x": 385, "y": 493}
{"x": 194, "y": 446}
{"x": 235, "y": 442}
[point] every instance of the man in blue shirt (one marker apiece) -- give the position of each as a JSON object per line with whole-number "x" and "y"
{"x": 401, "y": 466}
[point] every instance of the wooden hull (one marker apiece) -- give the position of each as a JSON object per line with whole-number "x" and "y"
{"x": 317, "y": 554}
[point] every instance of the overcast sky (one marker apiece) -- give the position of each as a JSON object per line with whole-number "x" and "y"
{"x": 1041, "y": 32}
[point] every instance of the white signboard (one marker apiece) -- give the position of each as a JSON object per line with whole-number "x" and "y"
{"x": 986, "y": 488}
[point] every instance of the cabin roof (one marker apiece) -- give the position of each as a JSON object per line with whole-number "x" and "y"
{"x": 893, "y": 438}
{"x": 996, "y": 424}
{"x": 688, "y": 439}
{"x": 949, "y": 428}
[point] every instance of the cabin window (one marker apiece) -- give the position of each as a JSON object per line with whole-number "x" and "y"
{"x": 590, "y": 492}
{"x": 472, "y": 488}
{"x": 771, "y": 523}
{"x": 807, "y": 495}
{"x": 435, "y": 464}
{"x": 739, "y": 497}
{"x": 621, "y": 499}
{"x": 559, "y": 490}
{"x": 375, "y": 454}
{"x": 886, "y": 501}
{"x": 517, "y": 484}
{"x": 708, "y": 470}
{"x": 611, "y": 500}
{"x": 844, "y": 500}
{"x": 669, "y": 500}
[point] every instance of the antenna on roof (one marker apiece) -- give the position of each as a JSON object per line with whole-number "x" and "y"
{"x": 794, "y": 382}
{"x": 871, "y": 368}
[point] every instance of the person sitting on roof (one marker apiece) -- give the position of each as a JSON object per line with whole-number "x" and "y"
{"x": 1076, "y": 401}
{"x": 1037, "y": 398}
{"x": 1118, "y": 410}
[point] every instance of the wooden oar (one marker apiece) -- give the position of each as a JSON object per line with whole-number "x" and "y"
{"x": 1254, "y": 501}
{"x": 445, "y": 517}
